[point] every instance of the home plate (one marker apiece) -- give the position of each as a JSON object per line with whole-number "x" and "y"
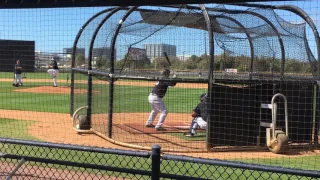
{"x": 181, "y": 127}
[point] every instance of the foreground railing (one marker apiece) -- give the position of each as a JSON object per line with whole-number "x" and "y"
{"x": 23, "y": 159}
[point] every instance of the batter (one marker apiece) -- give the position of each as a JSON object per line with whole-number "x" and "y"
{"x": 157, "y": 104}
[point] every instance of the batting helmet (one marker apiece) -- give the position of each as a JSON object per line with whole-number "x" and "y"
{"x": 203, "y": 97}
{"x": 166, "y": 73}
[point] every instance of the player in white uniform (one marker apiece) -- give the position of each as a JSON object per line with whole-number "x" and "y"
{"x": 53, "y": 72}
{"x": 157, "y": 104}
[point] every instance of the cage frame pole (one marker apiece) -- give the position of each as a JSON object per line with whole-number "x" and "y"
{"x": 306, "y": 17}
{"x": 93, "y": 38}
{"x": 269, "y": 23}
{"x": 112, "y": 60}
{"x": 249, "y": 40}
{"x": 210, "y": 74}
{"x": 259, "y": 16}
{"x": 300, "y": 12}
{"x": 73, "y": 55}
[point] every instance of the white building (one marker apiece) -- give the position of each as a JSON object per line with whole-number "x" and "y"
{"x": 158, "y": 50}
{"x": 183, "y": 57}
{"x": 78, "y": 51}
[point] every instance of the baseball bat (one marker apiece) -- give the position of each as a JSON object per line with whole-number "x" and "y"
{"x": 167, "y": 58}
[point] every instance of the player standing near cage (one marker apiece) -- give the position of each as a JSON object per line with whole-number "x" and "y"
{"x": 17, "y": 74}
{"x": 53, "y": 72}
{"x": 199, "y": 116}
{"x": 157, "y": 104}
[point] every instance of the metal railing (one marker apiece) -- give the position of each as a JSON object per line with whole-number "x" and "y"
{"x": 74, "y": 162}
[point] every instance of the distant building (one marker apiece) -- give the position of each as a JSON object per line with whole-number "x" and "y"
{"x": 183, "y": 57}
{"x": 78, "y": 51}
{"x": 102, "y": 52}
{"x": 157, "y": 50}
{"x": 43, "y": 59}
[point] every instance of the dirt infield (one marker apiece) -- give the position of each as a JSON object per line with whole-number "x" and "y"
{"x": 130, "y": 128}
{"x": 33, "y": 172}
{"x": 53, "y": 90}
{"x": 123, "y": 83}
{"x": 57, "y": 127}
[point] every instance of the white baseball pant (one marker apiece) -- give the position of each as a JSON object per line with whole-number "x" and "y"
{"x": 17, "y": 79}
{"x": 198, "y": 122}
{"x": 53, "y": 73}
{"x": 157, "y": 106}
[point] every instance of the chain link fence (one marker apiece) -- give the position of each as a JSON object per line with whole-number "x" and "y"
{"x": 22, "y": 159}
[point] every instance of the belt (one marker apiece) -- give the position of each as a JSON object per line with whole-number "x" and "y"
{"x": 156, "y": 95}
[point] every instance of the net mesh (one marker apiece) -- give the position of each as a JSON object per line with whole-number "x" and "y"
{"x": 114, "y": 61}
{"x": 250, "y": 44}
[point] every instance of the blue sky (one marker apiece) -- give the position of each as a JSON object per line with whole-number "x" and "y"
{"x": 51, "y": 29}
{"x": 56, "y": 28}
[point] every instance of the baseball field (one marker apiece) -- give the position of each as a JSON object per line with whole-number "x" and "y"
{"x": 38, "y": 111}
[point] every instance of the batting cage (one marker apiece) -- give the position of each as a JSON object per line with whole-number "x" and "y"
{"x": 149, "y": 68}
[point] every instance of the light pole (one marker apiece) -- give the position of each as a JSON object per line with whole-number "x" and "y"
{"x": 183, "y": 59}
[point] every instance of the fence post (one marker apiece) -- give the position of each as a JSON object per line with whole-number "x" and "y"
{"x": 155, "y": 158}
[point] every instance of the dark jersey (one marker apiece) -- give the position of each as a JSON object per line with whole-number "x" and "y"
{"x": 161, "y": 87}
{"x": 201, "y": 110}
{"x": 55, "y": 65}
{"x": 17, "y": 69}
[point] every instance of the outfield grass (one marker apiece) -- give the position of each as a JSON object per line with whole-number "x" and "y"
{"x": 201, "y": 136}
{"x": 33, "y": 75}
{"x": 40, "y": 102}
{"x": 127, "y": 99}
{"x": 310, "y": 162}
{"x": 17, "y": 129}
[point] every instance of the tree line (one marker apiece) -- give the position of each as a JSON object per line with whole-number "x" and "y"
{"x": 201, "y": 63}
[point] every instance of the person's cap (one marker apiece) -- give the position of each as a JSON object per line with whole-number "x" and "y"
{"x": 166, "y": 72}
{"x": 203, "y": 96}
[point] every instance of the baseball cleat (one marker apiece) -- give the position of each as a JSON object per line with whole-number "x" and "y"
{"x": 189, "y": 135}
{"x": 160, "y": 129}
{"x": 149, "y": 125}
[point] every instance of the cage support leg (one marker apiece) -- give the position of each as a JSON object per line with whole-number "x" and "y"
{"x": 22, "y": 161}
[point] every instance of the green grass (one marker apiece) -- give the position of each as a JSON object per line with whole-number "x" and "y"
{"x": 40, "y": 102}
{"x": 310, "y": 162}
{"x": 201, "y": 136}
{"x": 33, "y": 75}
{"x": 17, "y": 129}
{"x": 120, "y": 161}
{"x": 127, "y": 99}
